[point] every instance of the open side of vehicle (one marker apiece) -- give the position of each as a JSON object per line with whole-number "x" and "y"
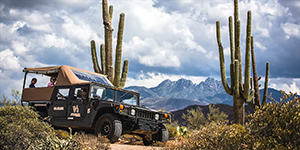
{"x": 86, "y": 100}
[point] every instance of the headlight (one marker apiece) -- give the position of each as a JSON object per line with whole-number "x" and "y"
{"x": 156, "y": 116}
{"x": 132, "y": 112}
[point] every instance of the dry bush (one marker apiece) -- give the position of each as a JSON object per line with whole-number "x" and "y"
{"x": 214, "y": 136}
{"x": 61, "y": 134}
{"x": 277, "y": 125}
{"x": 90, "y": 141}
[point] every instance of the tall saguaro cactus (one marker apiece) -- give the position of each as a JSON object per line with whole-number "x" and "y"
{"x": 106, "y": 50}
{"x": 241, "y": 91}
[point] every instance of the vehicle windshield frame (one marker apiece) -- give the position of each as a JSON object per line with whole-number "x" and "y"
{"x": 130, "y": 97}
{"x": 116, "y": 95}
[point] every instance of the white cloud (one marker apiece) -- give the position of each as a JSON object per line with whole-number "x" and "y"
{"x": 9, "y": 61}
{"x": 285, "y": 84}
{"x": 291, "y": 29}
{"x": 149, "y": 53}
{"x": 18, "y": 47}
{"x": 260, "y": 46}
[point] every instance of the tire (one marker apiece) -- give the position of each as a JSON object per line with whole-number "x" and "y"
{"x": 162, "y": 135}
{"x": 147, "y": 140}
{"x": 110, "y": 126}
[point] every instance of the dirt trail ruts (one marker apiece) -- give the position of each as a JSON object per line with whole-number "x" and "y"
{"x": 133, "y": 147}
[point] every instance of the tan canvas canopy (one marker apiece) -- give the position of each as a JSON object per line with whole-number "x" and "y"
{"x": 67, "y": 75}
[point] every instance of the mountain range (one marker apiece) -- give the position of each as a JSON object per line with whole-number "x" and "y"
{"x": 175, "y": 95}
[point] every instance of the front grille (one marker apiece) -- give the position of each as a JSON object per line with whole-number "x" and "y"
{"x": 145, "y": 114}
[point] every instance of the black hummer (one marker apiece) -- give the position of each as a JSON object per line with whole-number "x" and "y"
{"x": 86, "y": 100}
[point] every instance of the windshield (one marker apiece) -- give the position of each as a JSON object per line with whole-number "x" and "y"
{"x": 126, "y": 98}
{"x": 101, "y": 93}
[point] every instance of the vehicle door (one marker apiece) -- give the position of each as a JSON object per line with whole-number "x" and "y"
{"x": 77, "y": 105}
{"x": 57, "y": 108}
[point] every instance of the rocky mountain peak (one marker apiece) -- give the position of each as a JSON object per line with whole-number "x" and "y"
{"x": 184, "y": 82}
{"x": 166, "y": 82}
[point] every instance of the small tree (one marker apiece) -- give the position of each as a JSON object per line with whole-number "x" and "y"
{"x": 196, "y": 118}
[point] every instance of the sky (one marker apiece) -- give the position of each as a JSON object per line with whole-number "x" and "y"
{"x": 163, "y": 39}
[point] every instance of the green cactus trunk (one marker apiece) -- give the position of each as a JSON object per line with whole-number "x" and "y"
{"x": 106, "y": 52}
{"x": 240, "y": 90}
{"x": 118, "y": 59}
{"x": 108, "y": 30}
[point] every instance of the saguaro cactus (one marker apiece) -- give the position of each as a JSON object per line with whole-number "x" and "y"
{"x": 241, "y": 92}
{"x": 106, "y": 52}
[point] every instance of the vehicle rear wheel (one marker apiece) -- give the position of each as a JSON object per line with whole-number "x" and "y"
{"x": 110, "y": 126}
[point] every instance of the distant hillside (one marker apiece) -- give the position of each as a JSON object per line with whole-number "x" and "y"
{"x": 174, "y": 95}
{"x": 170, "y": 104}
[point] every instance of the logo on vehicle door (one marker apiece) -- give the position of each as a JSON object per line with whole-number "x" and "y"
{"x": 75, "y": 111}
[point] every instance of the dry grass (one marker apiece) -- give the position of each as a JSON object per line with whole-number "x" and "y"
{"x": 90, "y": 141}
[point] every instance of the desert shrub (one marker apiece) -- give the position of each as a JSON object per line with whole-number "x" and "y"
{"x": 196, "y": 118}
{"x": 52, "y": 142}
{"x": 277, "y": 125}
{"x": 88, "y": 141}
{"x": 172, "y": 128}
{"x": 62, "y": 134}
{"x": 16, "y": 95}
{"x": 21, "y": 128}
{"x": 213, "y": 136}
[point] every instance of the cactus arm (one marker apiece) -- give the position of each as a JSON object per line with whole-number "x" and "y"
{"x": 124, "y": 73}
{"x": 255, "y": 78}
{"x": 222, "y": 62}
{"x": 118, "y": 59}
{"x": 102, "y": 57}
{"x": 232, "y": 77}
{"x": 236, "y": 79}
{"x": 94, "y": 57}
{"x": 105, "y": 13}
{"x": 111, "y": 10}
{"x": 231, "y": 40}
{"x": 251, "y": 96}
{"x": 247, "y": 58}
{"x": 264, "y": 102}
{"x": 236, "y": 30}
{"x": 232, "y": 51}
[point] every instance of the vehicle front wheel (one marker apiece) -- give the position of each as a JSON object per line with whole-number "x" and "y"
{"x": 147, "y": 140}
{"x": 162, "y": 135}
{"x": 110, "y": 126}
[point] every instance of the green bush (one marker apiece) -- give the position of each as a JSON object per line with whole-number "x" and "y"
{"x": 277, "y": 125}
{"x": 21, "y": 128}
{"x": 196, "y": 118}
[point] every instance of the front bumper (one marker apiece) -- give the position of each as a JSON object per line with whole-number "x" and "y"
{"x": 143, "y": 121}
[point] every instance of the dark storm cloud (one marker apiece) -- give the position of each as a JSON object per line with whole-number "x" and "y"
{"x": 294, "y": 7}
{"x": 47, "y": 5}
